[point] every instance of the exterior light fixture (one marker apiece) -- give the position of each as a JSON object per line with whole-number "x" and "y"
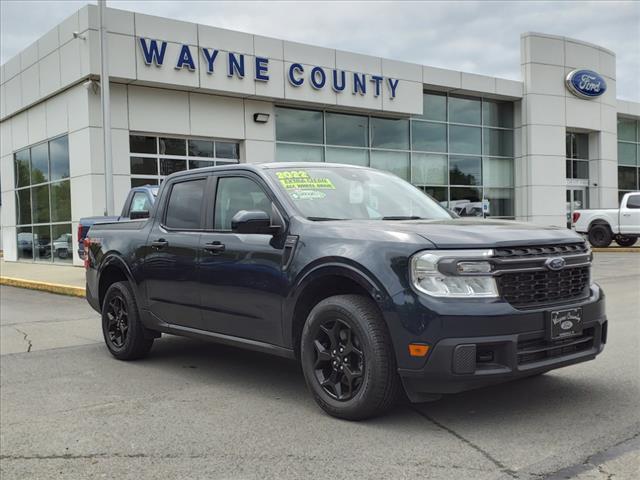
{"x": 261, "y": 117}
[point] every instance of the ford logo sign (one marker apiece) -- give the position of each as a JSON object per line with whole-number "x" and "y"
{"x": 566, "y": 325}
{"x": 557, "y": 263}
{"x": 586, "y": 83}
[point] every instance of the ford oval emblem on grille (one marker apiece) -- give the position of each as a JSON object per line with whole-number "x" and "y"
{"x": 557, "y": 263}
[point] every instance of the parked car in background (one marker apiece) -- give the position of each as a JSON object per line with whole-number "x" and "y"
{"x": 369, "y": 283}
{"x": 137, "y": 205}
{"x": 62, "y": 246}
{"x": 602, "y": 226}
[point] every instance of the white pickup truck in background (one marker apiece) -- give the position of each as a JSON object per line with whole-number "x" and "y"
{"x": 619, "y": 224}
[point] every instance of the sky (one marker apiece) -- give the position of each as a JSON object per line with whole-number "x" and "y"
{"x": 479, "y": 37}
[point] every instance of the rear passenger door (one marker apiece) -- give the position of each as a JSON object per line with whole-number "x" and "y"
{"x": 241, "y": 275}
{"x": 171, "y": 262}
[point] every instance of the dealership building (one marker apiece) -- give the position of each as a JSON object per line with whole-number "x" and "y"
{"x": 185, "y": 95}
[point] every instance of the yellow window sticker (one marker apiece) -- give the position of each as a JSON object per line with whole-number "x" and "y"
{"x": 299, "y": 179}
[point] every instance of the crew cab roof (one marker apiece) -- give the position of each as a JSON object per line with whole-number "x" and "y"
{"x": 263, "y": 166}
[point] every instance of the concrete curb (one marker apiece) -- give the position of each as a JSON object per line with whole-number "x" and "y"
{"x": 616, "y": 250}
{"x": 43, "y": 286}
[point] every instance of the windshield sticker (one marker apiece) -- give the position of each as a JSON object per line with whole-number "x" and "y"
{"x": 299, "y": 179}
{"x": 307, "y": 195}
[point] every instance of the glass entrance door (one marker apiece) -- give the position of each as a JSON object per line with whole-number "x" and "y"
{"x": 576, "y": 200}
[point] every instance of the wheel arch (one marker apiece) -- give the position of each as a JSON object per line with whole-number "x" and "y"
{"x": 599, "y": 221}
{"x": 113, "y": 269}
{"x": 325, "y": 281}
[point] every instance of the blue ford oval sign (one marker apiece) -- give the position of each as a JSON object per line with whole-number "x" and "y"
{"x": 586, "y": 83}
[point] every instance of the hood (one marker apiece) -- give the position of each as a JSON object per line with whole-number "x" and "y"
{"x": 472, "y": 233}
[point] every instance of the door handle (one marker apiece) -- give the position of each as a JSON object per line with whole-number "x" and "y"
{"x": 214, "y": 247}
{"x": 160, "y": 243}
{"x": 626, "y": 214}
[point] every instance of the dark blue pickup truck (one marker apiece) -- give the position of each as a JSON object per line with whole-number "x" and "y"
{"x": 370, "y": 284}
{"x": 138, "y": 203}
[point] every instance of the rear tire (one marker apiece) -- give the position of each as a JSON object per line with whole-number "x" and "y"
{"x": 348, "y": 359}
{"x": 600, "y": 235}
{"x": 626, "y": 240}
{"x": 122, "y": 329}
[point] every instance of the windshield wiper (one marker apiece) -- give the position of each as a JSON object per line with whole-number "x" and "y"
{"x": 403, "y": 217}
{"x": 324, "y": 219}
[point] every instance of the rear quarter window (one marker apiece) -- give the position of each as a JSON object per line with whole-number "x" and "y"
{"x": 184, "y": 208}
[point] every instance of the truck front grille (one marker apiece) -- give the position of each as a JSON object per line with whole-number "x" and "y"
{"x": 531, "y": 351}
{"x": 542, "y": 250}
{"x": 528, "y": 289}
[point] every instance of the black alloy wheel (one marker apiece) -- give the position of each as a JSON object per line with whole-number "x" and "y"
{"x": 339, "y": 360}
{"x": 117, "y": 321}
{"x": 600, "y": 235}
{"x": 125, "y": 336}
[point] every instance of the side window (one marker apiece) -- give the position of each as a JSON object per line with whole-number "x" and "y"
{"x": 184, "y": 208}
{"x": 140, "y": 203}
{"x": 235, "y": 194}
{"x": 633, "y": 201}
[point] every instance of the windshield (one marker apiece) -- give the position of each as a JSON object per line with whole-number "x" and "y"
{"x": 346, "y": 193}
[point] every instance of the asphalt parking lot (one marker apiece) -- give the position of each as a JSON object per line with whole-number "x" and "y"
{"x": 204, "y": 411}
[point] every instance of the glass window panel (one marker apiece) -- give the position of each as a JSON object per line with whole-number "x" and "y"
{"x": 498, "y": 142}
{"x": 173, "y": 146}
{"x": 390, "y": 133}
{"x": 465, "y": 171}
{"x": 142, "y": 144}
{"x": 465, "y": 139}
{"x": 581, "y": 146}
{"x": 429, "y": 137}
{"x": 25, "y": 243}
{"x": 466, "y": 201}
{"x": 500, "y": 202}
{"x": 140, "y": 203}
{"x": 626, "y": 153}
{"x": 40, "y": 163}
{"x": 349, "y": 130}
{"x": 298, "y": 153}
{"x": 627, "y": 129}
{"x": 351, "y": 156}
{"x": 227, "y": 150}
{"x": 62, "y": 244}
{"x": 303, "y": 126}
{"x": 184, "y": 208}
{"x": 434, "y": 107}
{"x": 144, "y": 166}
{"x": 429, "y": 169}
{"x": 172, "y": 165}
{"x": 627, "y": 178}
{"x": 23, "y": 206}
{"x": 569, "y": 169}
{"x": 568, "y": 140}
{"x": 42, "y": 243}
{"x": 200, "y": 164}
{"x": 397, "y": 163}
{"x": 201, "y": 148}
{"x": 61, "y": 201}
{"x": 21, "y": 168}
{"x": 141, "y": 182}
{"x": 497, "y": 114}
{"x": 439, "y": 193}
{"x": 59, "y": 158}
{"x": 235, "y": 194}
{"x": 580, "y": 169}
{"x": 40, "y": 204}
{"x": 464, "y": 110}
{"x": 497, "y": 172}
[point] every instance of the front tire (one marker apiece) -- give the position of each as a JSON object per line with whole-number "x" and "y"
{"x": 600, "y": 235}
{"x": 626, "y": 240}
{"x": 122, "y": 329}
{"x": 348, "y": 359}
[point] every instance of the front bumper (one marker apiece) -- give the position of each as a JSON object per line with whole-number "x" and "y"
{"x": 460, "y": 363}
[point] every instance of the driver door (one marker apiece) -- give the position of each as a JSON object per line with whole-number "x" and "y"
{"x": 242, "y": 283}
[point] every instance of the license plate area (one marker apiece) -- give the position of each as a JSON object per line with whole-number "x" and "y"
{"x": 565, "y": 323}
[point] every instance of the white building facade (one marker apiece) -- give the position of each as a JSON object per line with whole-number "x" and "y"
{"x": 185, "y": 96}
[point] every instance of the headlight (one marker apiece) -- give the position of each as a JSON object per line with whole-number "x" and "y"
{"x": 454, "y": 273}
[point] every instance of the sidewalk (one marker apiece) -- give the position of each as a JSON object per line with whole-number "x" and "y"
{"x": 62, "y": 279}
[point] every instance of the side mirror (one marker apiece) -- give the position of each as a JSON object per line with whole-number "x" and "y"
{"x": 138, "y": 214}
{"x": 253, "y": 221}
